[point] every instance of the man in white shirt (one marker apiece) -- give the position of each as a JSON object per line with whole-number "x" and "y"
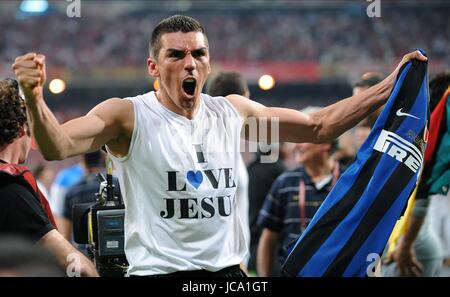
{"x": 186, "y": 221}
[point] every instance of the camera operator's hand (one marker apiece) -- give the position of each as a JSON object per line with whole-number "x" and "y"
{"x": 68, "y": 257}
{"x": 31, "y": 74}
{"x": 406, "y": 260}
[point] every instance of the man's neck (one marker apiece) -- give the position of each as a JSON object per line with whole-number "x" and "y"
{"x": 9, "y": 154}
{"x": 318, "y": 170}
{"x": 168, "y": 103}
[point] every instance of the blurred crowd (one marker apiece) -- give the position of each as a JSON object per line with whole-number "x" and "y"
{"x": 90, "y": 43}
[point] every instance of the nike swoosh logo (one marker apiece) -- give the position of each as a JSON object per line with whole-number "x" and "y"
{"x": 404, "y": 114}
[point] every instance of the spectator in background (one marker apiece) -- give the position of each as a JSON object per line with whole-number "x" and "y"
{"x": 44, "y": 175}
{"x": 24, "y": 210}
{"x": 440, "y": 203}
{"x": 261, "y": 177}
{"x": 368, "y": 80}
{"x": 424, "y": 249}
{"x": 63, "y": 181}
{"x": 224, "y": 84}
{"x": 346, "y": 148}
{"x": 84, "y": 191}
{"x": 293, "y": 200}
{"x": 351, "y": 141}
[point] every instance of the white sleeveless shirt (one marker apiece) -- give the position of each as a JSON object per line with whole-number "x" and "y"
{"x": 178, "y": 182}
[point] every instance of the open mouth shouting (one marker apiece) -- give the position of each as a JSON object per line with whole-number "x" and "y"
{"x": 189, "y": 85}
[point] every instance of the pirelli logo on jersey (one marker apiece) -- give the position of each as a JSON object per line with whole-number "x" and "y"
{"x": 400, "y": 149}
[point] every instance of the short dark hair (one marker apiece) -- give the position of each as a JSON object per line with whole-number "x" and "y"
{"x": 176, "y": 23}
{"x": 438, "y": 85}
{"x": 226, "y": 83}
{"x": 368, "y": 80}
{"x": 94, "y": 159}
{"x": 38, "y": 170}
{"x": 13, "y": 115}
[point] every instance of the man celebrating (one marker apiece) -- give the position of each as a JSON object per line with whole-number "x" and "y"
{"x": 176, "y": 150}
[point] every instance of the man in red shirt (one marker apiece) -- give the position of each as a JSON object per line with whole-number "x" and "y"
{"x": 24, "y": 210}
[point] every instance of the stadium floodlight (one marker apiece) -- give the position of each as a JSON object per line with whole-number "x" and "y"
{"x": 266, "y": 82}
{"x": 57, "y": 86}
{"x": 34, "y": 6}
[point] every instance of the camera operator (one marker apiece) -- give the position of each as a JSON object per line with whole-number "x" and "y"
{"x": 24, "y": 210}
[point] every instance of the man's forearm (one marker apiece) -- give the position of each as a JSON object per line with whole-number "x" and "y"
{"x": 66, "y": 255}
{"x": 419, "y": 212}
{"x": 414, "y": 226}
{"x": 337, "y": 118}
{"x": 47, "y": 131}
{"x": 264, "y": 260}
{"x": 266, "y": 250}
{"x": 331, "y": 121}
{"x": 31, "y": 75}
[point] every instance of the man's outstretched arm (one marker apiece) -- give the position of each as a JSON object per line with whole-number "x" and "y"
{"x": 102, "y": 125}
{"x": 329, "y": 122}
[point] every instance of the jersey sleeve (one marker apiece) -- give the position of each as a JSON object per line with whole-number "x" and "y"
{"x": 21, "y": 213}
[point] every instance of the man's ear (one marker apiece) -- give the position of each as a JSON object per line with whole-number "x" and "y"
{"x": 327, "y": 147}
{"x": 152, "y": 67}
{"x": 209, "y": 67}
{"x": 22, "y": 132}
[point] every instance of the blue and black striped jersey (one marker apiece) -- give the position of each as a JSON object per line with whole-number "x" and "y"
{"x": 358, "y": 215}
